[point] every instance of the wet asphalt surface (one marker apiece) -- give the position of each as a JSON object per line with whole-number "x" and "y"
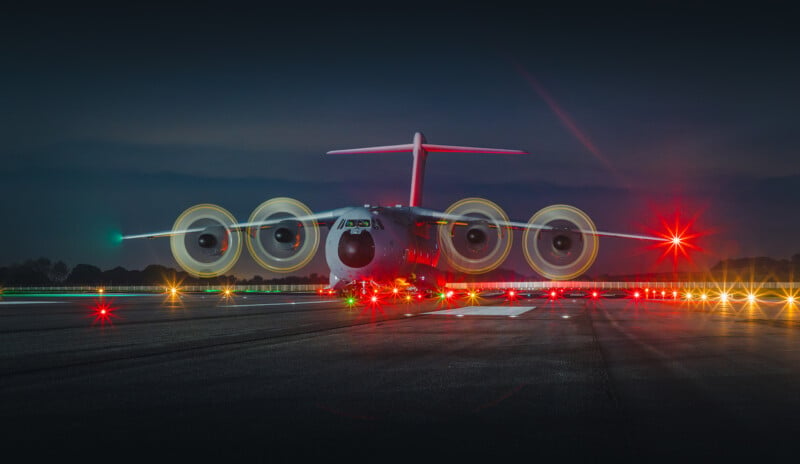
{"x": 286, "y": 377}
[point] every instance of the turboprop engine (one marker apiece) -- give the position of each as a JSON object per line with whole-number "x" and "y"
{"x": 206, "y": 240}
{"x": 560, "y": 241}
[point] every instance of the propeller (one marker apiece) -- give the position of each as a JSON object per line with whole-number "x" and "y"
{"x": 282, "y": 237}
{"x": 561, "y": 242}
{"x": 209, "y": 248}
{"x": 480, "y": 242}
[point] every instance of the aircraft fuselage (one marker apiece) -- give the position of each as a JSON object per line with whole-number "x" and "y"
{"x": 381, "y": 244}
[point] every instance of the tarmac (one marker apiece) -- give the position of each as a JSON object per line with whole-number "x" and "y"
{"x": 284, "y": 377}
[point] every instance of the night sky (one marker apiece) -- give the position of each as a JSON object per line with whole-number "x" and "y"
{"x": 116, "y": 120}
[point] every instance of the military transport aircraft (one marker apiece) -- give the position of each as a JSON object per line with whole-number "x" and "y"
{"x": 384, "y": 245}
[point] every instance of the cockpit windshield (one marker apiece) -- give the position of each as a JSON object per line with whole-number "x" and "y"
{"x": 350, "y": 223}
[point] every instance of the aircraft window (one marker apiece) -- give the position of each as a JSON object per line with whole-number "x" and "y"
{"x": 350, "y": 223}
{"x": 363, "y": 223}
{"x": 341, "y": 224}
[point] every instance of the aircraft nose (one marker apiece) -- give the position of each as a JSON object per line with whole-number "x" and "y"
{"x": 356, "y": 250}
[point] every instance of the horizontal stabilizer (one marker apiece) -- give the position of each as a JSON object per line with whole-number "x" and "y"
{"x": 419, "y": 150}
{"x": 453, "y": 149}
{"x": 384, "y": 149}
{"x": 428, "y": 148}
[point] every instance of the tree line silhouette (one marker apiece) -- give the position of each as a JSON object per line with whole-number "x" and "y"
{"x": 42, "y": 272}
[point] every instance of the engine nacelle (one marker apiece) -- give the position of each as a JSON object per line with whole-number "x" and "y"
{"x": 283, "y": 237}
{"x": 479, "y": 243}
{"x": 203, "y": 243}
{"x": 560, "y": 242}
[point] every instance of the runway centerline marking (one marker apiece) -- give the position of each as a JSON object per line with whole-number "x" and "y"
{"x": 483, "y": 311}
{"x": 275, "y": 304}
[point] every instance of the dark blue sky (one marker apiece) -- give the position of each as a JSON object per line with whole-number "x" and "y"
{"x": 119, "y": 119}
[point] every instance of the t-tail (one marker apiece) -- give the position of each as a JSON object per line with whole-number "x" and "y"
{"x": 420, "y": 149}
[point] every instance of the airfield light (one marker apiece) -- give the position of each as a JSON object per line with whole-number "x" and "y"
{"x": 674, "y": 294}
{"x": 449, "y": 294}
{"x": 472, "y": 295}
{"x": 636, "y": 295}
{"x": 790, "y": 299}
{"x": 351, "y": 301}
{"x": 751, "y": 298}
{"x": 553, "y": 294}
{"x": 374, "y": 299}
{"x": 663, "y": 293}
{"x": 395, "y": 290}
{"x": 594, "y": 294}
{"x": 103, "y": 313}
{"x": 703, "y": 296}
{"x": 511, "y": 293}
{"x": 100, "y": 290}
{"x": 676, "y": 240}
{"x": 688, "y": 295}
{"x": 408, "y": 297}
{"x": 723, "y": 297}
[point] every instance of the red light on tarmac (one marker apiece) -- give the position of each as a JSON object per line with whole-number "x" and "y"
{"x": 511, "y": 293}
{"x": 374, "y": 299}
{"x": 394, "y": 290}
{"x": 553, "y": 294}
{"x": 594, "y": 294}
{"x": 103, "y": 312}
{"x": 637, "y": 294}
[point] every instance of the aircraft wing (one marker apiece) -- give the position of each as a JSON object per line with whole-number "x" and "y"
{"x": 443, "y": 218}
{"x": 474, "y": 236}
{"x": 321, "y": 218}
